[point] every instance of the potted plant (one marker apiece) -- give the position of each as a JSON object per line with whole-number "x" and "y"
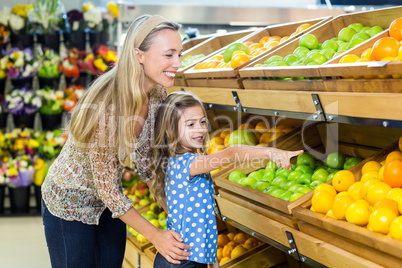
{"x": 20, "y": 26}
{"x": 69, "y": 66}
{"x": 23, "y": 104}
{"x": 51, "y": 109}
{"x": 48, "y": 72}
{"x": 76, "y": 36}
{"x": 20, "y": 66}
{"x": 97, "y": 64}
{"x": 71, "y": 96}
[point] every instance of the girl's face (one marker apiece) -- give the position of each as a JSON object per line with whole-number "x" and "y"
{"x": 162, "y": 60}
{"x": 193, "y": 128}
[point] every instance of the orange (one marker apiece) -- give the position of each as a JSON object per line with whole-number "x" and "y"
{"x": 221, "y": 65}
{"x": 226, "y": 141}
{"x": 381, "y": 173}
{"x": 376, "y": 192}
{"x": 217, "y": 142}
{"x": 342, "y": 180}
{"x": 293, "y": 34}
{"x": 217, "y": 57}
{"x": 219, "y": 254}
{"x": 395, "y": 194}
{"x": 325, "y": 187}
{"x": 240, "y": 238}
{"x": 366, "y": 185}
{"x": 266, "y": 137}
{"x": 283, "y": 39}
{"x": 224, "y": 133}
{"x": 302, "y": 27}
{"x": 366, "y": 54}
{"x": 393, "y": 173}
{"x": 238, "y": 60}
{"x": 238, "y": 251}
{"x": 358, "y": 213}
{"x": 354, "y": 190}
{"x": 264, "y": 39}
{"x": 248, "y": 43}
{"x": 224, "y": 259}
{"x": 372, "y": 174}
{"x": 371, "y": 165}
{"x": 200, "y": 65}
{"x": 330, "y": 214}
{"x": 251, "y": 241}
{"x": 350, "y": 58}
{"x": 392, "y": 156}
{"x": 343, "y": 193}
{"x": 385, "y": 47}
{"x": 361, "y": 60}
{"x": 387, "y": 203}
{"x": 395, "y": 229}
{"x": 271, "y": 45}
{"x": 227, "y": 250}
{"x": 395, "y": 29}
{"x": 212, "y": 149}
{"x": 231, "y": 236}
{"x": 400, "y": 144}
{"x": 380, "y": 220}
{"x": 246, "y": 126}
{"x": 274, "y": 38}
{"x": 212, "y": 64}
{"x": 258, "y": 51}
{"x": 262, "y": 126}
{"x": 340, "y": 205}
{"x": 223, "y": 240}
{"x": 232, "y": 243}
{"x": 254, "y": 47}
{"x": 322, "y": 201}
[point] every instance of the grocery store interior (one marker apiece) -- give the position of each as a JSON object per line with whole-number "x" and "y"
{"x": 291, "y": 87}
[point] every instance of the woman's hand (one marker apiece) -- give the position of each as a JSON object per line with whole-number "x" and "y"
{"x": 282, "y": 158}
{"x": 169, "y": 245}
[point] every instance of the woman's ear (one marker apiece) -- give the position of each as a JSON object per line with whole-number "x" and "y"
{"x": 140, "y": 55}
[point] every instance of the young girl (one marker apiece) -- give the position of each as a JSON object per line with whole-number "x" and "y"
{"x": 181, "y": 175}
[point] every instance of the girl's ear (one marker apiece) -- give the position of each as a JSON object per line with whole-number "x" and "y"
{"x": 140, "y": 55}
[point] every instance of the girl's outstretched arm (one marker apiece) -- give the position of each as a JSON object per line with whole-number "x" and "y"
{"x": 241, "y": 153}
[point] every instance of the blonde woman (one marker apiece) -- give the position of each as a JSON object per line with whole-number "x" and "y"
{"x": 84, "y": 210}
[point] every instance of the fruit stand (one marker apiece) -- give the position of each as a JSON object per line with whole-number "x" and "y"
{"x": 354, "y": 108}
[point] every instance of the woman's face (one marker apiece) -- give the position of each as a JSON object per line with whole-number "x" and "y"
{"x": 162, "y": 60}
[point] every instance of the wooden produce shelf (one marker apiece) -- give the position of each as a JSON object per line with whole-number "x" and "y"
{"x": 328, "y": 30}
{"x": 309, "y": 246}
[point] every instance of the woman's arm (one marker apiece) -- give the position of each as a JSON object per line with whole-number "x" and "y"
{"x": 241, "y": 153}
{"x": 168, "y": 243}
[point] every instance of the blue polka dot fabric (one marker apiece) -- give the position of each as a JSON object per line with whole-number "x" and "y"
{"x": 190, "y": 203}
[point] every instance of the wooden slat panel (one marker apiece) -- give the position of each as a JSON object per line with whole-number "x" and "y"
{"x": 292, "y": 85}
{"x": 391, "y": 85}
{"x": 221, "y": 96}
{"x": 216, "y": 82}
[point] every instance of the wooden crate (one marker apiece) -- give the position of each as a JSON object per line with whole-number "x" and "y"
{"x": 189, "y": 43}
{"x": 327, "y": 30}
{"x": 375, "y": 247}
{"x": 229, "y": 77}
{"x": 209, "y": 48}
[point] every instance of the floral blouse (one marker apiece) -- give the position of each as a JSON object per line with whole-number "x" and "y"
{"x": 81, "y": 184}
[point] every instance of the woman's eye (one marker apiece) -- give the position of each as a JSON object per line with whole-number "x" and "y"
{"x": 169, "y": 55}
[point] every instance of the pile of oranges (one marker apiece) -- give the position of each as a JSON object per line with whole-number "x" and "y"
{"x": 233, "y": 245}
{"x": 240, "y": 57}
{"x": 384, "y": 49}
{"x": 374, "y": 202}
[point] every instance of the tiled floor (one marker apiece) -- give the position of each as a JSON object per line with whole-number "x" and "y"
{"x": 22, "y": 243}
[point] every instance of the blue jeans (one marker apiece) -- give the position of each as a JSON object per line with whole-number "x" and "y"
{"x": 75, "y": 244}
{"x": 161, "y": 262}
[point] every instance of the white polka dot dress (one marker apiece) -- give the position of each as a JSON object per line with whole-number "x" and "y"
{"x": 190, "y": 204}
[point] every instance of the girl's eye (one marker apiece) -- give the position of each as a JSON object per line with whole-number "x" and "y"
{"x": 180, "y": 55}
{"x": 203, "y": 122}
{"x": 190, "y": 125}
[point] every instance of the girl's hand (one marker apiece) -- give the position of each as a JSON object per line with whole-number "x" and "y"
{"x": 282, "y": 158}
{"x": 169, "y": 245}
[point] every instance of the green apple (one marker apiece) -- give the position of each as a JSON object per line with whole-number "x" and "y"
{"x": 242, "y": 136}
{"x": 294, "y": 187}
{"x": 273, "y": 59}
{"x": 304, "y": 169}
{"x": 300, "y": 62}
{"x": 301, "y": 52}
{"x": 343, "y": 46}
{"x": 277, "y": 63}
{"x": 277, "y": 192}
{"x": 303, "y": 189}
{"x": 261, "y": 185}
{"x": 290, "y": 184}
{"x": 351, "y": 162}
{"x": 294, "y": 175}
{"x": 346, "y": 34}
{"x": 354, "y": 42}
{"x": 286, "y": 195}
{"x": 339, "y": 42}
{"x": 269, "y": 176}
{"x": 269, "y": 189}
{"x": 361, "y": 35}
{"x": 248, "y": 181}
{"x": 262, "y": 171}
{"x": 283, "y": 172}
{"x": 256, "y": 174}
{"x": 335, "y": 160}
{"x": 374, "y": 30}
{"x": 317, "y": 58}
{"x": 313, "y": 63}
{"x": 295, "y": 196}
{"x": 330, "y": 176}
{"x": 258, "y": 65}
{"x": 227, "y": 54}
{"x": 149, "y": 216}
{"x": 289, "y": 59}
{"x": 309, "y": 41}
{"x": 328, "y": 53}
{"x": 271, "y": 165}
{"x": 314, "y": 184}
{"x": 279, "y": 181}
{"x": 330, "y": 44}
{"x": 356, "y": 26}
{"x": 305, "y": 159}
{"x": 305, "y": 179}
{"x": 236, "y": 176}
{"x": 320, "y": 175}
{"x": 364, "y": 29}
{"x": 334, "y": 39}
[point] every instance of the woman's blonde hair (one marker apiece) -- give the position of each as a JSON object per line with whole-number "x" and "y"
{"x": 119, "y": 92}
{"x": 167, "y": 137}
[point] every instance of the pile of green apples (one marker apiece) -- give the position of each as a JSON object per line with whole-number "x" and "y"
{"x": 311, "y": 52}
{"x": 190, "y": 59}
{"x": 304, "y": 176}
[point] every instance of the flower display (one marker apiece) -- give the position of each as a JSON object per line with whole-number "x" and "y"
{"x": 71, "y": 97}
{"x": 22, "y": 101}
{"x": 98, "y": 18}
{"x": 21, "y": 170}
{"x": 20, "y": 142}
{"x": 5, "y": 172}
{"x": 47, "y": 15}
{"x": 76, "y": 20}
{"x": 49, "y": 64}
{"x": 104, "y": 59}
{"x": 51, "y": 143}
{"x": 52, "y": 101}
{"x": 18, "y": 19}
{"x": 19, "y": 63}
{"x": 69, "y": 65}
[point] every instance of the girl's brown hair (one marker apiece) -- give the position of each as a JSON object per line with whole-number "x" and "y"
{"x": 167, "y": 138}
